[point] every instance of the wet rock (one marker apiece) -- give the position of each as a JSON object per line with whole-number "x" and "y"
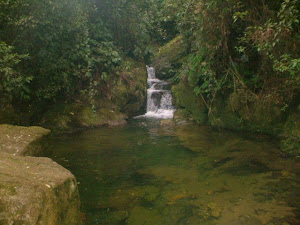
{"x": 169, "y": 122}
{"x": 231, "y": 112}
{"x": 183, "y": 117}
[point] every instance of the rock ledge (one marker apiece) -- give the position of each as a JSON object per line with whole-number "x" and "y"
{"x": 34, "y": 190}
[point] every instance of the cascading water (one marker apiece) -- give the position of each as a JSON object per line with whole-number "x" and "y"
{"x": 159, "y": 97}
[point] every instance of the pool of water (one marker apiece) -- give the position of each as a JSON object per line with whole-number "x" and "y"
{"x": 153, "y": 173}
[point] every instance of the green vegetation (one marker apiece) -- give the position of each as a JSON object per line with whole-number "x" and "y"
{"x": 241, "y": 57}
{"x": 247, "y": 47}
{"x": 56, "y": 50}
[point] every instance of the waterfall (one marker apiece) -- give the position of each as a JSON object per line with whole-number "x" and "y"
{"x": 159, "y": 97}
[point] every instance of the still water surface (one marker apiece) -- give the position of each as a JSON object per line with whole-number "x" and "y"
{"x": 146, "y": 173}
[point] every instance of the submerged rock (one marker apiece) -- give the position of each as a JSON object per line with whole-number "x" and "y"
{"x": 34, "y": 190}
{"x": 167, "y": 122}
{"x": 140, "y": 215}
{"x": 215, "y": 212}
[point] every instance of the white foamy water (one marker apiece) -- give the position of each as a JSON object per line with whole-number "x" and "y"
{"x": 159, "y": 98}
{"x": 160, "y": 114}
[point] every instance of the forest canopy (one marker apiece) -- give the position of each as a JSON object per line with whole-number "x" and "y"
{"x": 58, "y": 49}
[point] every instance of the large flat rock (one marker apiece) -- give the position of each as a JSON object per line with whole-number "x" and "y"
{"x": 21, "y": 140}
{"x": 34, "y": 190}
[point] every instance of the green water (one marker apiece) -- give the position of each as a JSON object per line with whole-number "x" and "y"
{"x": 146, "y": 173}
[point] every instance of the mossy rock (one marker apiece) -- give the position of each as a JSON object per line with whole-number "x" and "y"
{"x": 87, "y": 117}
{"x": 34, "y": 190}
{"x": 59, "y": 117}
{"x": 69, "y": 116}
{"x": 186, "y": 99}
{"x": 130, "y": 91}
{"x": 183, "y": 117}
{"x": 37, "y": 191}
{"x": 127, "y": 94}
{"x": 291, "y": 135}
{"x": 258, "y": 115}
{"x": 168, "y": 58}
{"x": 21, "y": 141}
{"x": 232, "y": 112}
{"x": 223, "y": 116}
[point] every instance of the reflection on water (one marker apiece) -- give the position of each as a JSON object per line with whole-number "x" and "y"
{"x": 151, "y": 174}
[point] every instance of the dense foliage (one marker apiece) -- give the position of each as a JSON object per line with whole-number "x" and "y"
{"x": 64, "y": 48}
{"x": 249, "y": 47}
{"x": 59, "y": 49}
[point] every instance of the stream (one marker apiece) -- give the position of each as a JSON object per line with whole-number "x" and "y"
{"x": 150, "y": 172}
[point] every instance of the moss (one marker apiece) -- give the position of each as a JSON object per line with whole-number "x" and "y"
{"x": 130, "y": 92}
{"x": 127, "y": 98}
{"x": 126, "y": 95}
{"x": 70, "y": 116}
{"x": 186, "y": 99}
{"x": 263, "y": 117}
{"x": 182, "y": 114}
{"x": 169, "y": 58}
{"x": 231, "y": 112}
{"x": 21, "y": 140}
{"x": 291, "y": 134}
{"x": 59, "y": 117}
{"x": 234, "y": 113}
{"x": 223, "y": 116}
{"x": 34, "y": 190}
{"x": 89, "y": 118}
